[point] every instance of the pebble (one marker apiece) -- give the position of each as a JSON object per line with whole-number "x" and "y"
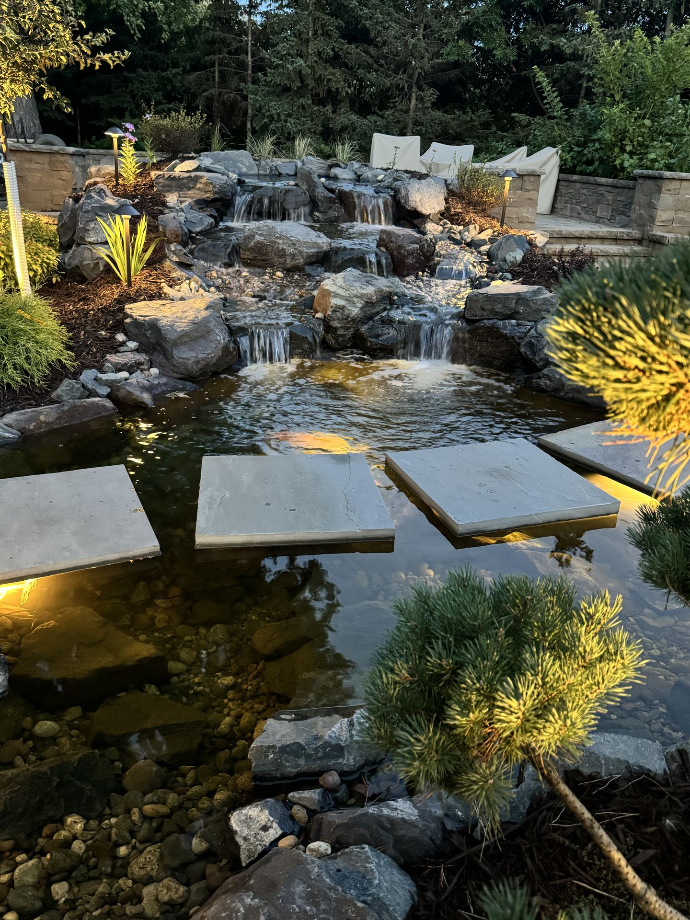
{"x": 300, "y": 815}
{"x": 156, "y": 811}
{"x": 318, "y": 849}
{"x": 45, "y": 729}
{"x": 287, "y": 843}
{"x": 59, "y": 890}
{"x": 330, "y": 781}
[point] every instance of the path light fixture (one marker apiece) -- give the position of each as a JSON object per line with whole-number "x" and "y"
{"x": 126, "y": 211}
{"x": 507, "y": 177}
{"x": 115, "y": 133}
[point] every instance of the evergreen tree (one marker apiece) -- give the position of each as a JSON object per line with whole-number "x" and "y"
{"x": 662, "y": 535}
{"x": 476, "y": 679}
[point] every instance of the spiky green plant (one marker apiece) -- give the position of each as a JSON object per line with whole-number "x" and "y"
{"x": 662, "y": 535}
{"x": 477, "y": 678}
{"x": 32, "y": 341}
{"x": 129, "y": 164}
{"x": 217, "y": 142}
{"x": 345, "y": 150}
{"x": 264, "y": 147}
{"x": 302, "y": 146}
{"x": 149, "y": 151}
{"x": 115, "y": 253}
{"x": 508, "y": 901}
{"x": 624, "y": 332}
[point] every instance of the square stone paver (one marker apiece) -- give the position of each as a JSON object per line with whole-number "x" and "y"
{"x": 289, "y": 499}
{"x": 59, "y": 522}
{"x": 479, "y": 488}
{"x": 593, "y": 446}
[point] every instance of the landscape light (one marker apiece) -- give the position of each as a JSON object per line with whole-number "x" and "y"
{"x": 115, "y": 133}
{"x": 507, "y": 176}
{"x": 126, "y": 211}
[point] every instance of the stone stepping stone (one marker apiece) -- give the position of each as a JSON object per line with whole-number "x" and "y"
{"x": 593, "y": 446}
{"x": 289, "y": 499}
{"x": 59, "y": 522}
{"x": 499, "y": 485}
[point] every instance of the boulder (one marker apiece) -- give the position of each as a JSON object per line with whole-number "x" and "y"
{"x": 72, "y": 783}
{"x": 351, "y": 299}
{"x": 276, "y": 639}
{"x": 217, "y": 252}
{"x": 552, "y": 382}
{"x": 172, "y": 226}
{"x": 97, "y": 202}
{"x": 358, "y": 254}
{"x": 533, "y": 347}
{"x": 326, "y": 207}
{"x": 148, "y": 726}
{"x": 8, "y": 436}
{"x": 424, "y": 196}
{"x": 186, "y": 338}
{"x": 239, "y": 162}
{"x": 611, "y": 755}
{"x": 131, "y": 393}
{"x": 67, "y": 223}
{"x": 127, "y": 361}
{"x": 69, "y": 390}
{"x": 508, "y": 251}
{"x": 343, "y": 174}
{"x": 318, "y": 165}
{"x": 495, "y": 343}
{"x": 197, "y": 221}
{"x": 380, "y": 340}
{"x": 357, "y": 884}
{"x": 49, "y": 418}
{"x": 305, "y": 337}
{"x": 308, "y": 742}
{"x": 284, "y": 244}
{"x": 85, "y": 261}
{"x": 529, "y": 303}
{"x": 207, "y": 188}
{"x": 74, "y": 655}
{"x": 259, "y": 826}
{"x": 410, "y": 251}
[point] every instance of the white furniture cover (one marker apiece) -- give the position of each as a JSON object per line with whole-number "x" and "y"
{"x": 445, "y": 159}
{"x": 388, "y": 152}
{"x": 509, "y": 158}
{"x": 549, "y": 161}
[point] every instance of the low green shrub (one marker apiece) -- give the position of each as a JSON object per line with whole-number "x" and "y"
{"x": 662, "y": 535}
{"x": 32, "y": 341}
{"x": 42, "y": 249}
{"x": 175, "y": 134}
{"x": 478, "y": 189}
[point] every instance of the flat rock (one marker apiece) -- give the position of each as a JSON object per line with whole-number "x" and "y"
{"x": 73, "y": 783}
{"x": 259, "y": 826}
{"x": 240, "y": 162}
{"x": 282, "y": 244}
{"x": 307, "y": 743}
{"x": 130, "y": 362}
{"x": 204, "y": 188}
{"x": 594, "y": 447}
{"x": 509, "y": 300}
{"x": 186, "y": 338}
{"x": 49, "y": 418}
{"x": 277, "y": 639}
{"x": 148, "y": 726}
{"x": 289, "y": 499}
{"x": 498, "y": 485}
{"x": 74, "y": 655}
{"x": 351, "y": 299}
{"x": 356, "y": 884}
{"x": 58, "y": 522}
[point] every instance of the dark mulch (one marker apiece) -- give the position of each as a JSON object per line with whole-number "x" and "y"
{"x": 539, "y": 267}
{"x": 142, "y": 194}
{"x": 460, "y": 215}
{"x": 554, "y": 857}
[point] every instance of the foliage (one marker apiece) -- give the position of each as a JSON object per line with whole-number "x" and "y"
{"x": 42, "y": 249}
{"x": 506, "y": 901}
{"x": 115, "y": 253}
{"x": 175, "y": 134}
{"x": 31, "y": 340}
{"x": 129, "y": 164}
{"x": 625, "y": 333}
{"x": 149, "y": 150}
{"x": 662, "y": 535}
{"x": 302, "y": 146}
{"x": 345, "y": 150}
{"x": 264, "y": 147}
{"x": 216, "y": 142}
{"x": 478, "y": 189}
{"x": 476, "y": 678}
{"x": 38, "y": 35}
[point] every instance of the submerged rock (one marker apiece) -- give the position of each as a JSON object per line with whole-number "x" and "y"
{"x": 282, "y": 244}
{"x": 49, "y": 418}
{"x": 552, "y": 382}
{"x": 349, "y": 300}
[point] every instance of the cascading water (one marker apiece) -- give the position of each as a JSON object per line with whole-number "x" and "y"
{"x": 428, "y": 342}
{"x": 268, "y": 203}
{"x": 265, "y": 345}
{"x": 370, "y": 208}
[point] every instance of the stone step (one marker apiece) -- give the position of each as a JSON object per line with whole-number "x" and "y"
{"x": 592, "y": 232}
{"x": 603, "y": 252}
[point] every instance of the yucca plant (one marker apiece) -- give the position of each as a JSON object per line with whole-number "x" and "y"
{"x": 345, "y": 150}
{"x": 302, "y": 147}
{"x": 476, "y": 679}
{"x": 508, "y": 901}
{"x": 115, "y": 253}
{"x": 217, "y": 142}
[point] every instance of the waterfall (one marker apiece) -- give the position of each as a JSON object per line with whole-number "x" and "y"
{"x": 267, "y": 203}
{"x": 265, "y": 345}
{"x": 242, "y": 203}
{"x": 371, "y": 208}
{"x": 428, "y": 342}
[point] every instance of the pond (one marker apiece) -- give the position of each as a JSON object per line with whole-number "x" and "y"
{"x": 342, "y": 596}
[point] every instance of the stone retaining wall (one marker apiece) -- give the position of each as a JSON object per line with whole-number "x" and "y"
{"x": 522, "y": 199}
{"x": 603, "y": 201}
{"x": 47, "y": 175}
{"x": 662, "y": 203}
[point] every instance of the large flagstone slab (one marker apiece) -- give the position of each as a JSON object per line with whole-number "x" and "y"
{"x": 59, "y": 522}
{"x": 480, "y": 488}
{"x": 594, "y": 446}
{"x": 289, "y": 499}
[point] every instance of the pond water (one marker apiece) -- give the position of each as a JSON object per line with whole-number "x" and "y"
{"x": 343, "y": 595}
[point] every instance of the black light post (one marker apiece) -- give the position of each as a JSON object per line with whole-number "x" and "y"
{"x": 115, "y": 133}
{"x": 507, "y": 176}
{"x": 126, "y": 211}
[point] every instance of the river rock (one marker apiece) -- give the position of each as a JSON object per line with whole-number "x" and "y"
{"x": 131, "y": 362}
{"x": 308, "y": 742}
{"x": 74, "y": 655}
{"x": 148, "y": 867}
{"x": 425, "y": 196}
{"x": 217, "y": 252}
{"x": 349, "y": 300}
{"x": 203, "y": 188}
{"x": 410, "y": 251}
{"x": 525, "y": 302}
{"x": 282, "y": 244}
{"x": 197, "y": 221}
{"x": 32, "y": 796}
{"x": 552, "y": 382}
{"x": 495, "y": 343}
{"x": 277, "y": 639}
{"x": 69, "y": 390}
{"x": 283, "y": 675}
{"x": 316, "y": 800}
{"x": 145, "y": 725}
{"x": 185, "y": 338}
{"x": 305, "y": 337}
{"x": 131, "y": 393}
{"x": 84, "y": 260}
{"x": 67, "y": 223}
{"x": 144, "y": 776}
{"x": 171, "y": 224}
{"x": 259, "y": 826}
{"x": 326, "y": 207}
{"x": 380, "y": 340}
{"x": 49, "y": 418}
{"x": 611, "y": 755}
{"x": 508, "y": 251}
{"x": 357, "y": 884}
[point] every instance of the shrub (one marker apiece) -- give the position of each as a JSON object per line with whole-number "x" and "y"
{"x": 302, "y": 146}
{"x": 42, "y": 249}
{"x": 264, "y": 147}
{"x": 345, "y": 150}
{"x": 115, "y": 253}
{"x": 175, "y": 134}
{"x": 32, "y": 341}
{"x": 478, "y": 189}
{"x": 625, "y": 333}
{"x": 662, "y": 535}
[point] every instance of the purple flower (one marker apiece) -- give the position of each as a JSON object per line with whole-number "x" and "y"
{"x": 131, "y": 138}
{"x": 129, "y": 127}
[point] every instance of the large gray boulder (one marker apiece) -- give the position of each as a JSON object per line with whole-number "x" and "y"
{"x": 239, "y": 162}
{"x": 496, "y": 343}
{"x": 533, "y": 347}
{"x": 63, "y": 415}
{"x": 380, "y": 340}
{"x": 67, "y": 223}
{"x": 526, "y": 302}
{"x": 357, "y": 884}
{"x": 326, "y": 206}
{"x": 425, "y": 196}
{"x": 410, "y": 251}
{"x": 259, "y": 826}
{"x": 611, "y": 754}
{"x": 508, "y": 251}
{"x": 83, "y": 260}
{"x": 282, "y": 244}
{"x": 349, "y": 300}
{"x": 97, "y": 202}
{"x": 551, "y": 382}
{"x": 308, "y": 742}
{"x": 203, "y": 188}
{"x": 185, "y": 338}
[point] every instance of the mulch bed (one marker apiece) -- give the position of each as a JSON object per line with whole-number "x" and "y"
{"x": 551, "y": 854}
{"x": 141, "y": 193}
{"x": 539, "y": 267}
{"x": 460, "y": 215}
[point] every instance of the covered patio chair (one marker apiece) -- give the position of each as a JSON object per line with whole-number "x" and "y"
{"x": 509, "y": 159}
{"x": 445, "y": 160}
{"x": 391, "y": 152}
{"x": 549, "y": 161}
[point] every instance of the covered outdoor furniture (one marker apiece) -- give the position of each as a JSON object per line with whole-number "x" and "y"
{"x": 549, "y": 161}
{"x": 445, "y": 160}
{"x": 391, "y": 152}
{"x": 509, "y": 159}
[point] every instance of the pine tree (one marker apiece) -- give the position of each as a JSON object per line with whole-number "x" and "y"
{"x": 662, "y": 535}
{"x": 476, "y": 679}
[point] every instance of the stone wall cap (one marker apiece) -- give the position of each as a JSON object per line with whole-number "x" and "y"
{"x": 524, "y": 171}
{"x": 48, "y": 148}
{"x": 659, "y": 174}
{"x": 597, "y": 180}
